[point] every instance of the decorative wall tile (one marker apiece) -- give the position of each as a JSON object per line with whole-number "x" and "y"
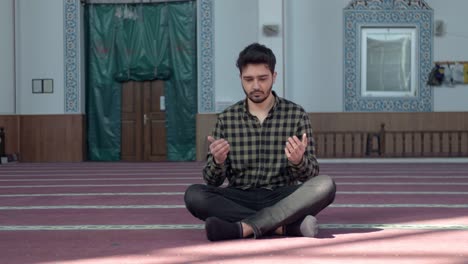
{"x": 386, "y": 13}
{"x": 206, "y": 77}
{"x": 71, "y": 58}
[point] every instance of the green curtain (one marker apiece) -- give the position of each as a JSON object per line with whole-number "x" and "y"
{"x": 141, "y": 42}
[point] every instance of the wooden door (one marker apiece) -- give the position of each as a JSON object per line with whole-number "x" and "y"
{"x": 132, "y": 122}
{"x": 154, "y": 121}
{"x": 143, "y": 122}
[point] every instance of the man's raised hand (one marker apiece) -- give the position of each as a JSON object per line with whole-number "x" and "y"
{"x": 219, "y": 148}
{"x": 295, "y": 148}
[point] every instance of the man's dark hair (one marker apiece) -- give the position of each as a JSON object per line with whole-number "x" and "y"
{"x": 256, "y": 54}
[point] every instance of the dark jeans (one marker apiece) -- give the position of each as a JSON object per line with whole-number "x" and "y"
{"x": 264, "y": 210}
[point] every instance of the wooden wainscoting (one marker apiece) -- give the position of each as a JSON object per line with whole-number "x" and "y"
{"x": 11, "y": 125}
{"x": 434, "y": 134}
{"x": 345, "y": 134}
{"x": 205, "y": 126}
{"x": 52, "y": 138}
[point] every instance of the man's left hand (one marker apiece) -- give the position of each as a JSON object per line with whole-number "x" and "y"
{"x": 295, "y": 149}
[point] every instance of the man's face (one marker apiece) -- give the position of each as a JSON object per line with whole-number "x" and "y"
{"x": 257, "y": 81}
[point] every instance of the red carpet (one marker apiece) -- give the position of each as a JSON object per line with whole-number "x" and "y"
{"x": 91, "y": 212}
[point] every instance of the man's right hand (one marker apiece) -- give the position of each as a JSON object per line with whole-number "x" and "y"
{"x": 219, "y": 148}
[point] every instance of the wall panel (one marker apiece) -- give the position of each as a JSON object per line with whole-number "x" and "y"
{"x": 11, "y": 125}
{"x": 52, "y": 138}
{"x": 368, "y": 122}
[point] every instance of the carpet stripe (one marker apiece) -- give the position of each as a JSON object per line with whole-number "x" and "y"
{"x": 400, "y": 193}
{"x": 104, "y": 179}
{"x": 402, "y": 183}
{"x": 90, "y": 194}
{"x": 95, "y": 185}
{"x": 399, "y": 205}
{"x": 158, "y": 206}
{"x": 80, "y": 174}
{"x": 402, "y": 177}
{"x": 182, "y": 193}
{"x": 201, "y": 226}
{"x": 155, "y": 206}
{"x": 342, "y": 174}
{"x": 187, "y": 184}
{"x": 199, "y": 178}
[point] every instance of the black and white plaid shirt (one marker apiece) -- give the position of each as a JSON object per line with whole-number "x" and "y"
{"x": 256, "y": 158}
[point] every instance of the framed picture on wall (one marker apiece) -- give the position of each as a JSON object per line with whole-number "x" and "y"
{"x": 48, "y": 85}
{"x": 43, "y": 85}
{"x": 37, "y": 85}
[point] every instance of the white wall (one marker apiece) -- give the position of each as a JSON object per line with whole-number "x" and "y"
{"x": 7, "y": 89}
{"x": 452, "y": 46}
{"x": 314, "y": 54}
{"x": 40, "y": 53}
{"x": 313, "y": 49}
{"x": 270, "y": 12}
{"x": 309, "y": 44}
{"x": 233, "y": 32}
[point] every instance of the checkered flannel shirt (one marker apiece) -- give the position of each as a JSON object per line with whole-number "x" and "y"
{"x": 256, "y": 158}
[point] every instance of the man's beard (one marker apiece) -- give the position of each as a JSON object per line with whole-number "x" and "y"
{"x": 258, "y": 100}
